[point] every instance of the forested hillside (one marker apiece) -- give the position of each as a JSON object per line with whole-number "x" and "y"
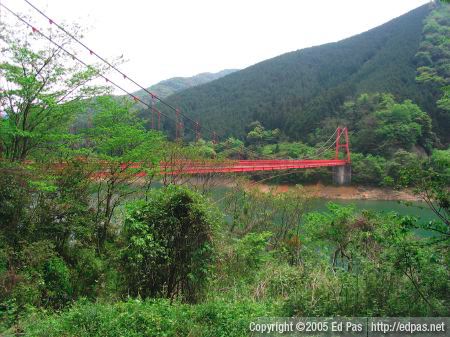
{"x": 296, "y": 91}
{"x": 175, "y": 84}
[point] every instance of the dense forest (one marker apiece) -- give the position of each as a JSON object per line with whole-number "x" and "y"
{"x": 294, "y": 92}
{"x": 97, "y": 239}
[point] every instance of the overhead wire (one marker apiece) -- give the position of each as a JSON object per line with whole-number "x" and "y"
{"x": 125, "y": 76}
{"x": 135, "y": 98}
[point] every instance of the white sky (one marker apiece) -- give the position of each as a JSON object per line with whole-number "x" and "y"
{"x": 167, "y": 38}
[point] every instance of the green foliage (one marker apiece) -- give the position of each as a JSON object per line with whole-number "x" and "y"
{"x": 40, "y": 205}
{"x": 169, "y": 244}
{"x": 294, "y": 92}
{"x": 367, "y": 170}
{"x": 14, "y": 198}
{"x": 251, "y": 250}
{"x": 203, "y": 149}
{"x": 430, "y": 180}
{"x": 56, "y": 276}
{"x": 372, "y": 255}
{"x": 381, "y": 126}
{"x": 257, "y": 211}
{"x": 46, "y": 218}
{"x": 335, "y": 230}
{"x": 258, "y": 135}
{"x": 398, "y": 162}
{"x": 434, "y": 52}
{"x": 402, "y": 126}
{"x": 223, "y": 319}
{"x": 44, "y": 90}
{"x": 379, "y": 171}
{"x": 440, "y": 161}
{"x": 63, "y": 214}
{"x": 444, "y": 101}
{"x": 151, "y": 318}
{"x": 349, "y": 264}
{"x": 123, "y": 150}
{"x": 118, "y": 135}
{"x": 23, "y": 280}
{"x": 88, "y": 273}
{"x": 132, "y": 318}
{"x": 231, "y": 148}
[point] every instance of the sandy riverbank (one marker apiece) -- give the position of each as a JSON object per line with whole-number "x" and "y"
{"x": 316, "y": 190}
{"x": 347, "y": 192}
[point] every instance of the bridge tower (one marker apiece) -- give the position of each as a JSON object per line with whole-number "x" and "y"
{"x": 342, "y": 175}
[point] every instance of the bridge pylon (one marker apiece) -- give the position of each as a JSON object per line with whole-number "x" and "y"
{"x": 342, "y": 175}
{"x": 342, "y": 132}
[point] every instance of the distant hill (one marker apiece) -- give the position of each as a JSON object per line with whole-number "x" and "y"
{"x": 175, "y": 84}
{"x": 161, "y": 89}
{"x": 297, "y": 90}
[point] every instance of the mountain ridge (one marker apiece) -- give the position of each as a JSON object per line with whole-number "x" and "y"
{"x": 172, "y": 85}
{"x": 296, "y": 90}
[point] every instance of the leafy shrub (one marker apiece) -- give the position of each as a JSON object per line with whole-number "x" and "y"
{"x": 87, "y": 272}
{"x": 156, "y": 318}
{"x": 57, "y": 282}
{"x": 168, "y": 244}
{"x": 251, "y": 250}
{"x": 14, "y": 200}
{"x": 368, "y": 170}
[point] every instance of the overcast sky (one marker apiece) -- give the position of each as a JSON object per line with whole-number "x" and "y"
{"x": 167, "y": 38}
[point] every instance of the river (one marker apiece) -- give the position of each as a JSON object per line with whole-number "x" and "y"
{"x": 362, "y": 198}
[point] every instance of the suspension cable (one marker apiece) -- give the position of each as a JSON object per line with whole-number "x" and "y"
{"x": 92, "y": 52}
{"x": 135, "y": 98}
{"x": 324, "y": 144}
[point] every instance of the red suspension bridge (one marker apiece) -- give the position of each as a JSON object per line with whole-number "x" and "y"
{"x": 341, "y": 166}
{"x": 229, "y": 166}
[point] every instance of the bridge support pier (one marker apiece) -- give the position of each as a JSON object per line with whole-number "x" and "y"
{"x": 342, "y": 175}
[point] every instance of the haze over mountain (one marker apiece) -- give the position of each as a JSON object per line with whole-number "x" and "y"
{"x": 175, "y": 84}
{"x": 295, "y": 91}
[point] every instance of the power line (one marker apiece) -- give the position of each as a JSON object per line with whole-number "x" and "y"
{"x": 92, "y": 52}
{"x": 135, "y": 98}
{"x": 178, "y": 124}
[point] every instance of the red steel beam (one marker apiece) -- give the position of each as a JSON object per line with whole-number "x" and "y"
{"x": 189, "y": 167}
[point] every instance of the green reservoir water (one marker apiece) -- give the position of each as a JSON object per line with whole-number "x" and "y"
{"x": 415, "y": 209}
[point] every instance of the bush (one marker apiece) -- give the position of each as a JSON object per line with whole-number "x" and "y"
{"x": 368, "y": 170}
{"x": 57, "y": 282}
{"x": 169, "y": 244}
{"x": 149, "y": 318}
{"x": 14, "y": 200}
{"x": 132, "y": 318}
{"x": 87, "y": 273}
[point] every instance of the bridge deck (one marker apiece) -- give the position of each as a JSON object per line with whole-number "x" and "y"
{"x": 192, "y": 167}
